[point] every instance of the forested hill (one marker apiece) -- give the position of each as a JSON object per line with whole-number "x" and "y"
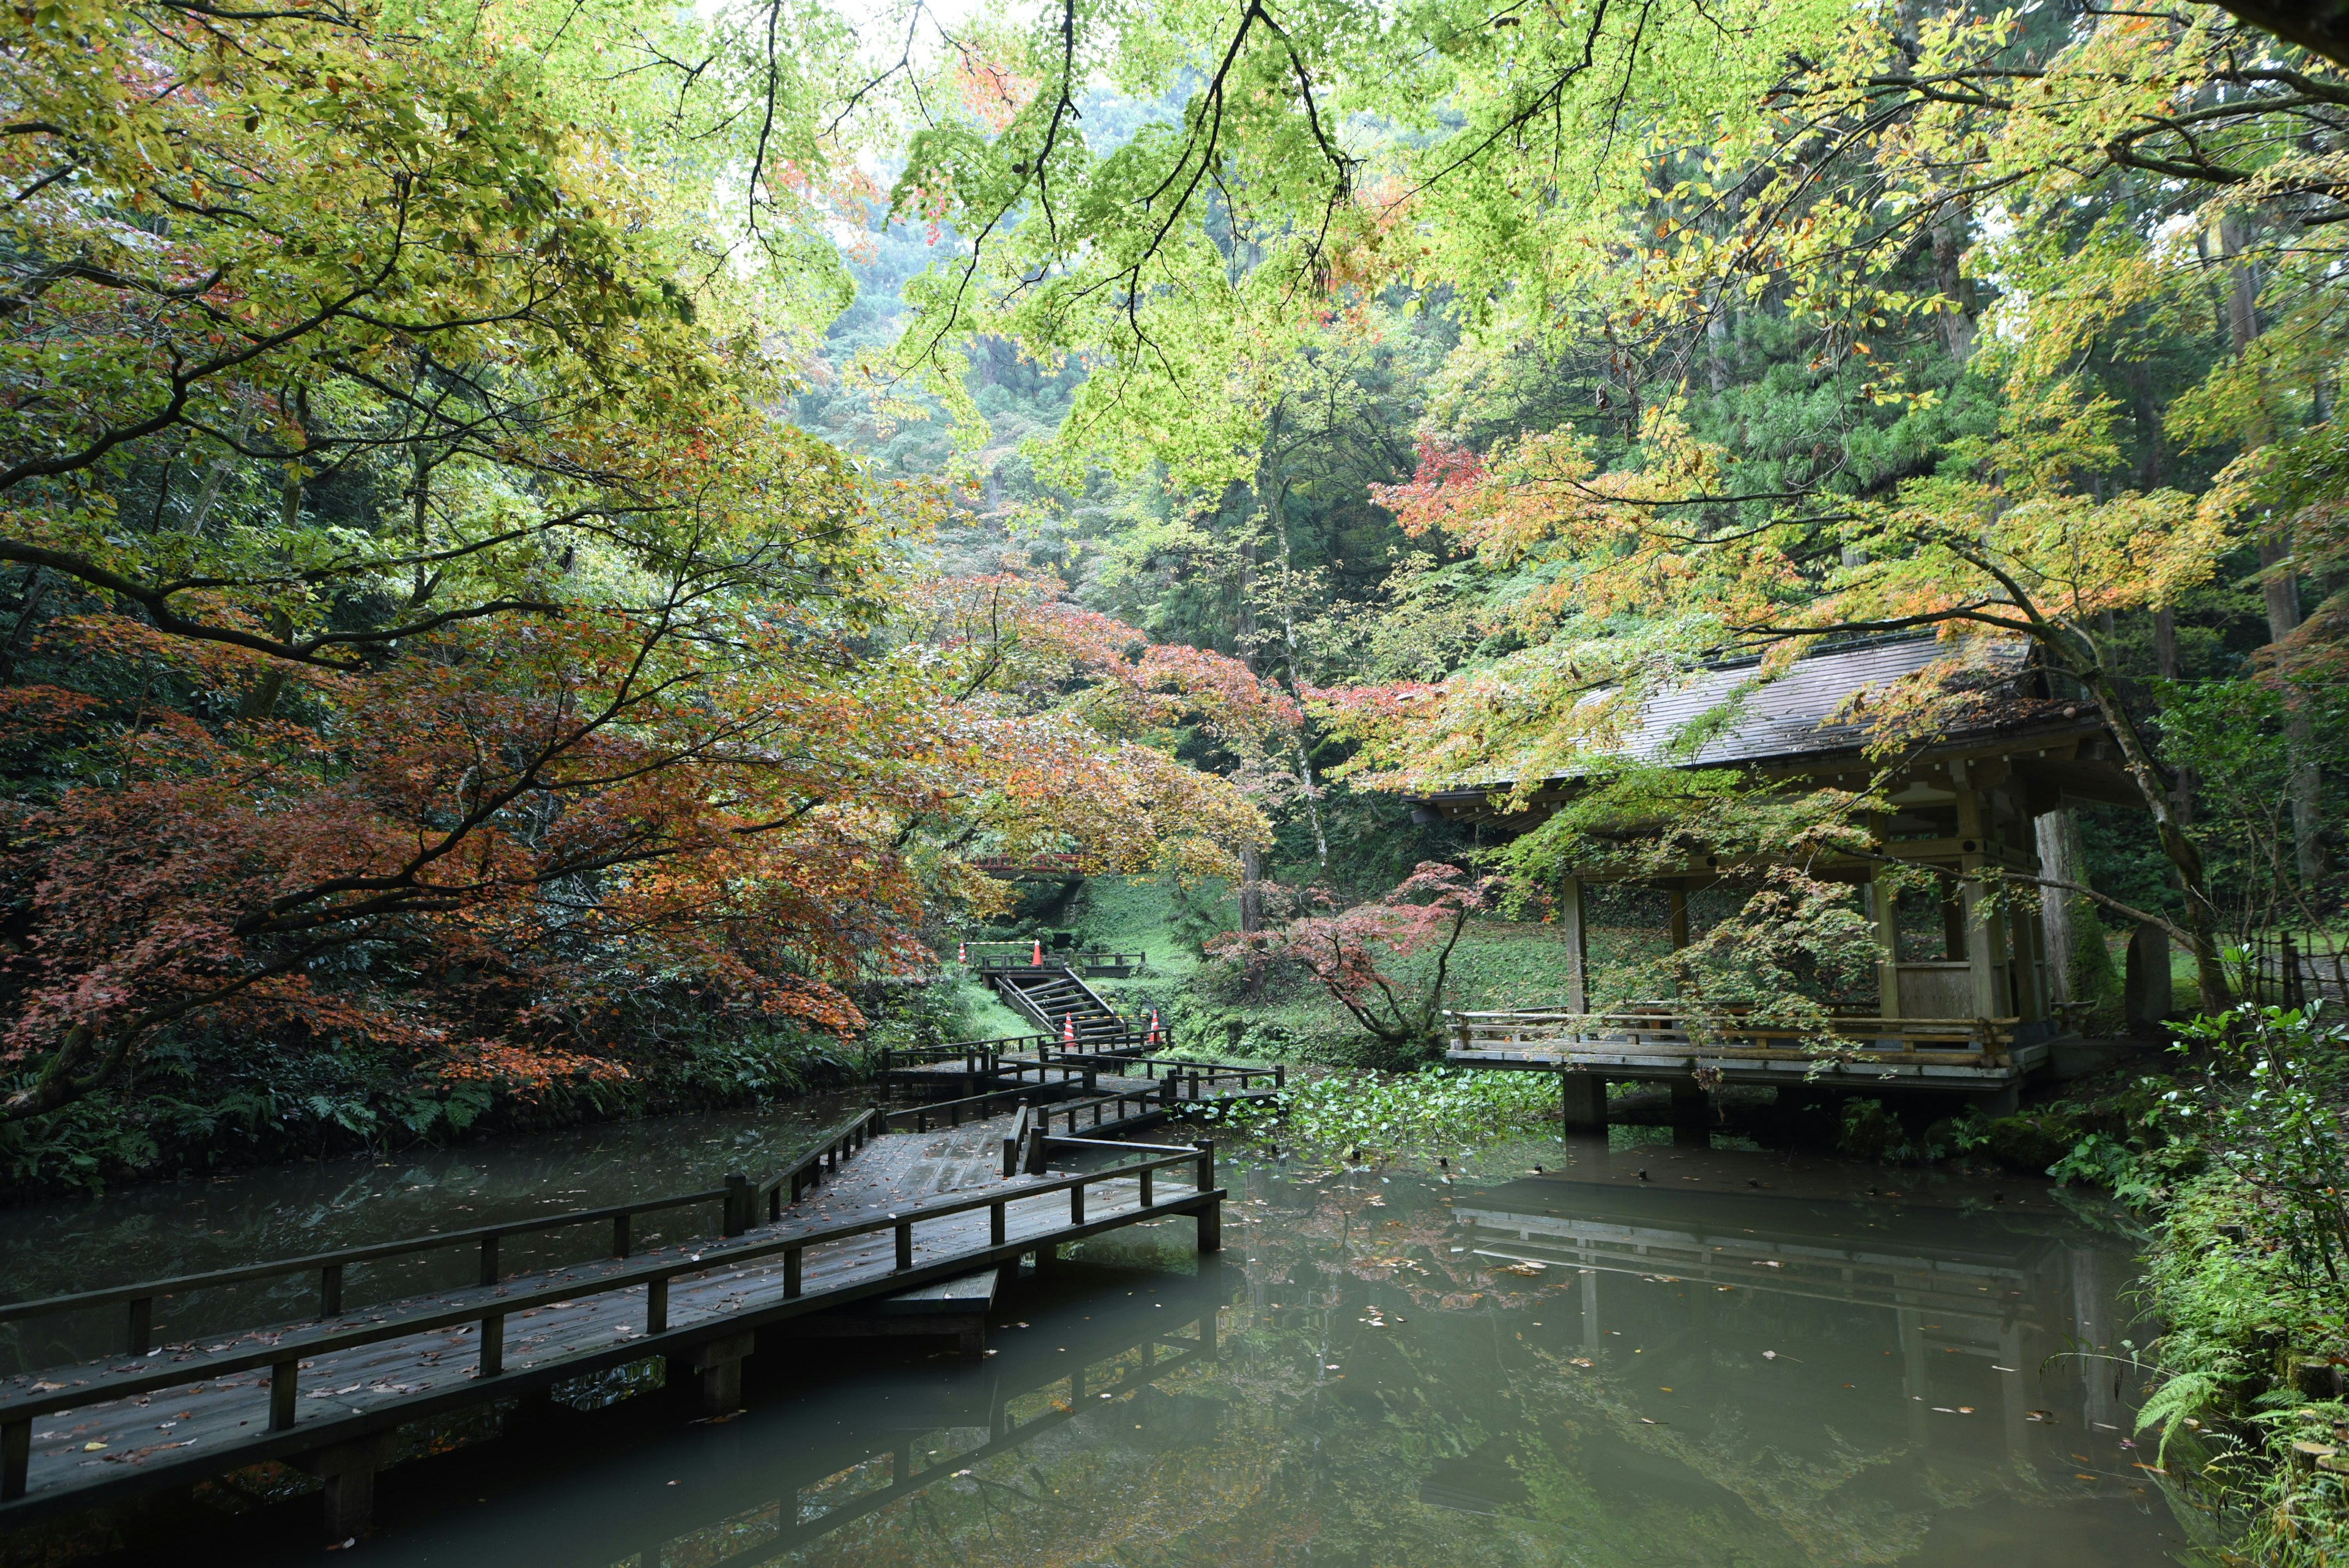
{"x": 545, "y": 543}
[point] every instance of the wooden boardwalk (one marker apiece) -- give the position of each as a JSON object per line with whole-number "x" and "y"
{"x": 867, "y": 1216}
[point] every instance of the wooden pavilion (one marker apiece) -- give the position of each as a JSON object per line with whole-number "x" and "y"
{"x": 1972, "y": 1014}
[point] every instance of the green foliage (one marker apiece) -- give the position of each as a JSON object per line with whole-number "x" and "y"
{"x": 1374, "y": 1114}
{"x": 1869, "y": 1130}
{"x": 2269, "y": 1110}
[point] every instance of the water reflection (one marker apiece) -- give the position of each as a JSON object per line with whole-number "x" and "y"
{"x": 1635, "y": 1356}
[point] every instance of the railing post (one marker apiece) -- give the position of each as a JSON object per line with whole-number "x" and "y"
{"x": 621, "y": 1240}
{"x": 489, "y": 1260}
{"x": 1077, "y": 1204}
{"x": 996, "y": 1225}
{"x": 1146, "y": 1174}
{"x": 738, "y": 1203}
{"x": 905, "y": 1244}
{"x": 1280, "y": 1074}
{"x": 1167, "y": 1090}
{"x": 794, "y": 1259}
{"x": 657, "y": 1305}
{"x": 1211, "y": 1212}
{"x": 330, "y": 1291}
{"x": 493, "y": 1343}
{"x": 142, "y": 1325}
{"x": 15, "y": 1458}
{"x": 282, "y": 1375}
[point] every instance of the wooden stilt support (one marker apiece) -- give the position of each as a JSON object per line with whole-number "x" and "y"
{"x": 1582, "y": 1100}
{"x": 720, "y": 1361}
{"x": 348, "y": 1470}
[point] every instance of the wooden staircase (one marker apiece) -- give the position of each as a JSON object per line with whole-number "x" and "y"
{"x": 1055, "y": 999}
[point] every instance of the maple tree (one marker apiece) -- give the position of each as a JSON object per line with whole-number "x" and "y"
{"x": 1350, "y": 952}
{"x": 430, "y": 636}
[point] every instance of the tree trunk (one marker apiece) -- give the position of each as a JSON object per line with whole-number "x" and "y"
{"x": 2199, "y": 920}
{"x": 1251, "y": 894}
{"x": 2055, "y": 831}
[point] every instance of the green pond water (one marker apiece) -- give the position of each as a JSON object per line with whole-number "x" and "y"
{"x": 1635, "y": 1355}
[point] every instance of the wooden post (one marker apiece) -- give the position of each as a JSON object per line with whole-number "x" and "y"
{"x": 997, "y": 1226}
{"x": 2029, "y": 1000}
{"x": 1983, "y": 932}
{"x": 15, "y": 1458}
{"x": 794, "y": 1268}
{"x": 720, "y": 1365}
{"x": 1146, "y": 1174}
{"x": 349, "y": 1471}
{"x": 282, "y": 1375}
{"x": 1577, "y": 948}
{"x": 656, "y": 1306}
{"x": 1077, "y": 1204}
{"x": 1211, "y": 1213}
{"x": 330, "y": 1291}
{"x": 1885, "y": 897}
{"x": 620, "y": 1237}
{"x": 142, "y": 1325}
{"x": 905, "y": 1244}
{"x": 493, "y": 1343}
{"x": 1582, "y": 1101}
{"x": 738, "y": 1203}
{"x": 1691, "y": 1113}
{"x": 489, "y": 1260}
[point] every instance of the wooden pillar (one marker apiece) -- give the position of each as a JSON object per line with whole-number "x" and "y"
{"x": 1577, "y": 948}
{"x": 348, "y": 1470}
{"x": 2030, "y": 990}
{"x": 1983, "y": 929}
{"x": 1691, "y": 1113}
{"x": 1678, "y": 920}
{"x": 720, "y": 1361}
{"x": 1886, "y": 897}
{"x": 1582, "y": 1098}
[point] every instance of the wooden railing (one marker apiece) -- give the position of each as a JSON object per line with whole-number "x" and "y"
{"x": 737, "y": 1202}
{"x": 1987, "y": 1040}
{"x": 284, "y": 1359}
{"x": 984, "y": 1058}
{"x": 989, "y": 956}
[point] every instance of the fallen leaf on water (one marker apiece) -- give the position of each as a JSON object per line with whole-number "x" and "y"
{"x": 1769, "y": 1356}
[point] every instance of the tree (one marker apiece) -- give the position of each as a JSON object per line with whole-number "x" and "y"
{"x": 1350, "y": 952}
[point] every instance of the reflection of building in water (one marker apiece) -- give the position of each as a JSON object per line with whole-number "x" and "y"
{"x": 1972, "y": 1314}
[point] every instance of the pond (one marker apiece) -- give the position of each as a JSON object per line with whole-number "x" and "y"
{"x": 1539, "y": 1352}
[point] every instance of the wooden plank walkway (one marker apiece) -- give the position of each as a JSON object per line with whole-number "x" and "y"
{"x": 902, "y": 1212}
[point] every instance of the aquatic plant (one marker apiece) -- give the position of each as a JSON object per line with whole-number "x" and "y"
{"x": 1386, "y": 1113}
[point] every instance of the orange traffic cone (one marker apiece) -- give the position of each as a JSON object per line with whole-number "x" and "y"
{"x": 962, "y": 952}
{"x": 1069, "y": 1032}
{"x": 1037, "y": 957}
{"x": 1153, "y": 1039}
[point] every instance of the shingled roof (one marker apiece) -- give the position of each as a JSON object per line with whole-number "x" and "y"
{"x": 1787, "y": 716}
{"x": 1801, "y": 720}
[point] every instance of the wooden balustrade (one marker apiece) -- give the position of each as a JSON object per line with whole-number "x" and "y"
{"x": 1662, "y": 1031}
{"x": 284, "y": 1358}
{"x": 736, "y": 1202}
